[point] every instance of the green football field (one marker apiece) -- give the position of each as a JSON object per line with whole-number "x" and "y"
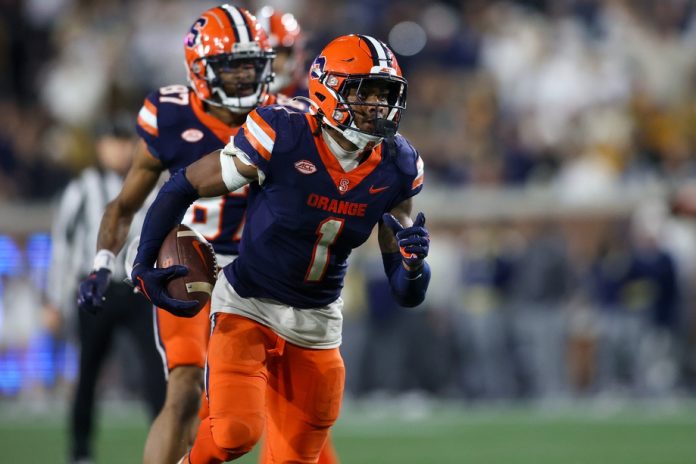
{"x": 415, "y": 432}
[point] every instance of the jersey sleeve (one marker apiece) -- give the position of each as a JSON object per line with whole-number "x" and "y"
{"x": 412, "y": 167}
{"x": 146, "y": 126}
{"x": 266, "y": 131}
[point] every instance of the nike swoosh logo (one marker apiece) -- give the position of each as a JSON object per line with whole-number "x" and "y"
{"x": 374, "y": 190}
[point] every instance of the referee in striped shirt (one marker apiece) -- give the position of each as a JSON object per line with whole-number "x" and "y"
{"x": 74, "y": 235}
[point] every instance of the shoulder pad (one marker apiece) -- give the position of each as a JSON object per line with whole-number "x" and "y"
{"x": 281, "y": 118}
{"x": 269, "y": 130}
{"x": 405, "y": 156}
{"x": 291, "y": 103}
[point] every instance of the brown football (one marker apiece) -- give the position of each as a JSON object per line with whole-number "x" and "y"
{"x": 188, "y": 248}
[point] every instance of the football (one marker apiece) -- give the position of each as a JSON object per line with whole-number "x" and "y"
{"x": 187, "y": 247}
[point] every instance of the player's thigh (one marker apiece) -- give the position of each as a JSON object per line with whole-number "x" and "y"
{"x": 184, "y": 340}
{"x": 320, "y": 374}
{"x": 236, "y": 379}
{"x": 304, "y": 400}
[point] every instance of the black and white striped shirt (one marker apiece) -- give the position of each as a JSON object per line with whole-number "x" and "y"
{"x": 74, "y": 234}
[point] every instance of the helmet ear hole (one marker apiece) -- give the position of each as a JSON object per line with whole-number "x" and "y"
{"x": 339, "y": 115}
{"x": 320, "y": 97}
{"x": 332, "y": 81}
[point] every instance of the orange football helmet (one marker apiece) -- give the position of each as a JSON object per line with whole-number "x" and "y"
{"x": 347, "y": 63}
{"x": 223, "y": 40}
{"x": 285, "y": 36}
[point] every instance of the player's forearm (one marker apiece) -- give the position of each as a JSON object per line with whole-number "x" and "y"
{"x": 408, "y": 286}
{"x": 166, "y": 211}
{"x": 114, "y": 228}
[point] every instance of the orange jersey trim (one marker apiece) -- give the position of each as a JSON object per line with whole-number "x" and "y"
{"x": 252, "y": 135}
{"x": 151, "y": 107}
{"x": 258, "y": 147}
{"x": 418, "y": 181}
{"x": 333, "y": 166}
{"x": 221, "y": 130}
{"x": 150, "y": 129}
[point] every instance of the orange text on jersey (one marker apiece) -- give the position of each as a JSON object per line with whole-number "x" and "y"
{"x": 336, "y": 206}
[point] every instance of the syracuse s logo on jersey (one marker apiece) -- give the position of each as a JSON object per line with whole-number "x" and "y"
{"x": 343, "y": 185}
{"x": 317, "y": 68}
{"x": 305, "y": 167}
{"x": 192, "y": 135}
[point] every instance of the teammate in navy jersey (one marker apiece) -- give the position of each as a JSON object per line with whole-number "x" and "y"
{"x": 320, "y": 182}
{"x": 229, "y": 64}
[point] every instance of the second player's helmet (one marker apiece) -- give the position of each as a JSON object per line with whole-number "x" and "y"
{"x": 346, "y": 63}
{"x": 285, "y": 36}
{"x": 221, "y": 39}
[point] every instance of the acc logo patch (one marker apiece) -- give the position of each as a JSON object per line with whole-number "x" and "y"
{"x": 305, "y": 167}
{"x": 317, "y": 68}
{"x": 192, "y": 135}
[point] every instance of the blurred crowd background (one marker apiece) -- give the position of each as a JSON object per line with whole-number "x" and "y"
{"x": 553, "y": 133}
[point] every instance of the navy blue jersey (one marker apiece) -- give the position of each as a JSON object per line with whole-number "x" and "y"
{"x": 307, "y": 215}
{"x": 178, "y": 132}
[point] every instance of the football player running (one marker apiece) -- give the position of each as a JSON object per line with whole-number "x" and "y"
{"x": 290, "y": 80}
{"x": 229, "y": 64}
{"x": 320, "y": 182}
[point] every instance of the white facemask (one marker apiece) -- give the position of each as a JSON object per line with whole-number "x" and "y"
{"x": 357, "y": 138}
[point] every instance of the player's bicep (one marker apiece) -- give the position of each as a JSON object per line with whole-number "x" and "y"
{"x": 140, "y": 180}
{"x": 216, "y": 174}
{"x": 402, "y": 213}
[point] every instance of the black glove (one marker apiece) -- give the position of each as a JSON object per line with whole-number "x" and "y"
{"x": 152, "y": 282}
{"x": 414, "y": 241}
{"x": 91, "y": 293}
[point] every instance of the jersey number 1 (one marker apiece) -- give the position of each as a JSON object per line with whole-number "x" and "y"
{"x": 328, "y": 231}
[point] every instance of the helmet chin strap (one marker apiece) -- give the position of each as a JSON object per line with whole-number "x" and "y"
{"x": 354, "y": 135}
{"x": 237, "y": 104}
{"x": 358, "y": 138}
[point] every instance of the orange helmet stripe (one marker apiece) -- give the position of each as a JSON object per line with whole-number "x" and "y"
{"x": 243, "y": 33}
{"x": 380, "y": 56}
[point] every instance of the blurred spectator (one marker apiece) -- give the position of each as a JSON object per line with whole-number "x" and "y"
{"x": 635, "y": 285}
{"x": 498, "y": 88}
{"x": 480, "y": 326}
{"x": 540, "y": 286}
